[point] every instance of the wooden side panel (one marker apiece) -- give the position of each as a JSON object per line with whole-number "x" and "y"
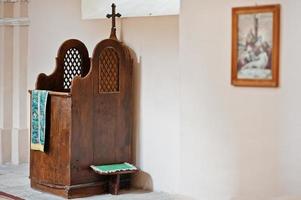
{"x": 113, "y": 124}
{"x": 102, "y": 114}
{"x": 52, "y": 166}
{"x": 82, "y": 132}
{"x": 105, "y": 127}
{"x": 114, "y": 117}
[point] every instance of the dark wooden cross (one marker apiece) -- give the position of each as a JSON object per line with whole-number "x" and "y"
{"x": 113, "y": 16}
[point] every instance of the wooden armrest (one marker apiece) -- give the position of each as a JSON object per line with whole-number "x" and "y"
{"x": 53, "y": 93}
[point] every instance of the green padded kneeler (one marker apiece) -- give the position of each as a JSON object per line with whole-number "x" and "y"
{"x": 107, "y": 169}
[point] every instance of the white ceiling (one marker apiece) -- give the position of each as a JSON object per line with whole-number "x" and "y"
{"x": 98, "y": 9}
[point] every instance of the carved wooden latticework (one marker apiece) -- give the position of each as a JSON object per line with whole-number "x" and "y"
{"x": 108, "y": 71}
{"x": 72, "y": 66}
{"x": 72, "y": 60}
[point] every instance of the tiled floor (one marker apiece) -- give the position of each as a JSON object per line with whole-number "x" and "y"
{"x": 14, "y": 180}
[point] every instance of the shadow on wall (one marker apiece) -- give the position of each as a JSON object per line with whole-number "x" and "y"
{"x": 141, "y": 180}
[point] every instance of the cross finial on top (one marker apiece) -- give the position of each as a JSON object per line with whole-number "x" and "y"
{"x": 113, "y": 16}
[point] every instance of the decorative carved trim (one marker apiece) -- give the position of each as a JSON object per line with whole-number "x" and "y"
{"x": 21, "y": 21}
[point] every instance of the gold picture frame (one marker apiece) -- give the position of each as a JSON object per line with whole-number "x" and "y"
{"x": 255, "y": 46}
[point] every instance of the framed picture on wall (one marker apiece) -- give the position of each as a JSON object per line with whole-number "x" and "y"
{"x": 255, "y": 46}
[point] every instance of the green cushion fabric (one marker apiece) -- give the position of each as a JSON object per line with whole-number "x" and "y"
{"x": 113, "y": 168}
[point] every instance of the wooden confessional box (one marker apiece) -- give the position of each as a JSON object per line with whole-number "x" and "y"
{"x": 89, "y": 119}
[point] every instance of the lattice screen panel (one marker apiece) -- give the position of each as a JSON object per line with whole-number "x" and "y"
{"x": 108, "y": 71}
{"x": 72, "y": 66}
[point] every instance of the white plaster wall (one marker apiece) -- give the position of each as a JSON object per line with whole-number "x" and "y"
{"x": 20, "y": 137}
{"x": 53, "y": 22}
{"x": 1, "y": 66}
{"x": 237, "y": 143}
{"x": 6, "y": 93}
{"x": 1, "y": 81}
{"x": 92, "y": 9}
{"x": 13, "y": 120}
{"x": 155, "y": 40}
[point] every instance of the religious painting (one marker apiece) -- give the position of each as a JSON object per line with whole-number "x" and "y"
{"x": 255, "y": 46}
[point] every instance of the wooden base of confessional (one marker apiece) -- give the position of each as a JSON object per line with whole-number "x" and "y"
{"x": 112, "y": 186}
{"x": 115, "y": 183}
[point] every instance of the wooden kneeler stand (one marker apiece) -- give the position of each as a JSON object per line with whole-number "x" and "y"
{"x": 114, "y": 180}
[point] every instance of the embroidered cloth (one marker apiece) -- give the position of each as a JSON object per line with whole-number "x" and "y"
{"x": 38, "y": 119}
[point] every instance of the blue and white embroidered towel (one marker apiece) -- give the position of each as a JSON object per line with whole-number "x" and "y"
{"x": 38, "y": 119}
